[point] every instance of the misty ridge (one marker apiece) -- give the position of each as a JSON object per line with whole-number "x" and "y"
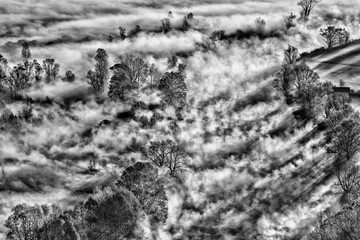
{"x": 169, "y": 119}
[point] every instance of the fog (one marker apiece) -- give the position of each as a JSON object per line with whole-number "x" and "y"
{"x": 253, "y": 180}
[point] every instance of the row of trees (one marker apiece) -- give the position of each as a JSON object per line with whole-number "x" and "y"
{"x": 298, "y": 83}
{"x": 187, "y": 23}
{"x": 110, "y": 213}
{"x": 132, "y": 72}
{"x": 18, "y": 79}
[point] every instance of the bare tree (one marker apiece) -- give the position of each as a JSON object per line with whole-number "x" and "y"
{"x": 331, "y": 35}
{"x": 177, "y": 160}
{"x": 349, "y": 178}
{"x": 135, "y": 68}
{"x": 51, "y": 69}
{"x": 159, "y": 151}
{"x": 307, "y": 6}
{"x": 98, "y": 78}
{"x": 304, "y": 75}
{"x": 167, "y": 153}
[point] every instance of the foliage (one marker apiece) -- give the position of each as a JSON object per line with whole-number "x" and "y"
{"x": 342, "y": 225}
{"x": 188, "y": 21}
{"x": 69, "y": 76}
{"x": 291, "y": 54}
{"x": 172, "y": 61}
{"x": 99, "y": 77}
{"x": 122, "y": 33}
{"x": 303, "y": 76}
{"x": 135, "y": 68}
{"x": 307, "y": 6}
{"x": 289, "y": 21}
{"x": 143, "y": 181}
{"x": 133, "y": 32}
{"x": 25, "y": 52}
{"x": 260, "y": 23}
{"x": 346, "y": 139}
{"x": 127, "y": 76}
{"x": 174, "y": 89}
{"x": 120, "y": 84}
{"x": 154, "y": 75}
{"x": 334, "y": 36}
{"x": 51, "y": 69}
{"x": 217, "y": 35}
{"x": 18, "y": 81}
{"x": 111, "y": 215}
{"x": 349, "y": 178}
{"x": 26, "y": 221}
{"x": 165, "y": 25}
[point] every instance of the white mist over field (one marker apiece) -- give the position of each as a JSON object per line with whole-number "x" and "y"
{"x": 255, "y": 179}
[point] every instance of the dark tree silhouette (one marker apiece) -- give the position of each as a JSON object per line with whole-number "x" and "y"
{"x": 289, "y": 21}
{"x": 165, "y": 25}
{"x": 25, "y": 52}
{"x": 307, "y": 6}
{"x": 18, "y": 81}
{"x": 188, "y": 21}
{"x": 167, "y": 153}
{"x": 98, "y": 78}
{"x": 217, "y": 35}
{"x": 133, "y": 32}
{"x": 51, "y": 69}
{"x": 143, "y": 180}
{"x": 349, "y": 178}
{"x": 135, "y": 68}
{"x": 342, "y": 225}
{"x": 172, "y": 61}
{"x": 154, "y": 75}
{"x": 69, "y": 76}
{"x": 122, "y": 33}
{"x": 345, "y": 139}
{"x": 304, "y": 75}
{"x": 284, "y": 82}
{"x": 26, "y": 222}
{"x": 121, "y": 85}
{"x": 111, "y": 214}
{"x": 159, "y": 151}
{"x": 260, "y": 24}
{"x": 291, "y": 54}
{"x": 174, "y": 89}
{"x": 334, "y": 36}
